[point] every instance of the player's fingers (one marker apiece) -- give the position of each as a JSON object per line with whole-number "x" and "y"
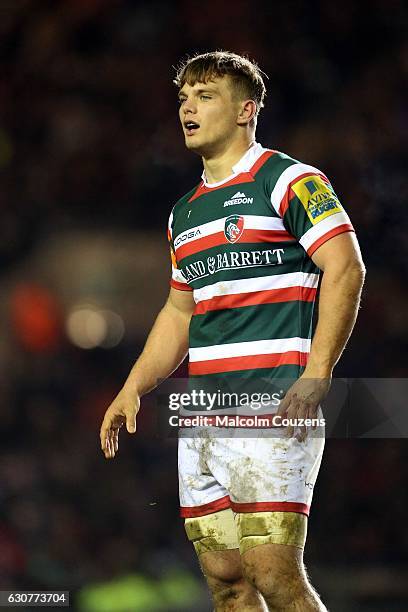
{"x": 302, "y": 433}
{"x": 105, "y": 441}
{"x": 103, "y": 434}
{"x": 313, "y": 416}
{"x": 290, "y": 413}
{"x": 283, "y": 405}
{"x": 116, "y": 440}
{"x": 111, "y": 447}
{"x": 106, "y": 449}
{"x": 304, "y": 413}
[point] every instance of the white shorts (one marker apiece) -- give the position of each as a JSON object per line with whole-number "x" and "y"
{"x": 262, "y": 474}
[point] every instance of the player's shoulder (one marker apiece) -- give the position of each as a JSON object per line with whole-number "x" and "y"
{"x": 281, "y": 169}
{"x": 276, "y": 163}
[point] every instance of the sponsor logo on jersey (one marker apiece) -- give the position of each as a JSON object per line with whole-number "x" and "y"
{"x": 238, "y": 198}
{"x": 186, "y": 236}
{"x": 233, "y": 228}
{"x": 231, "y": 260}
{"x": 318, "y": 198}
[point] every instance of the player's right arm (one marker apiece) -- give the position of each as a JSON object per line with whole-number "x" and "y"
{"x": 165, "y": 348}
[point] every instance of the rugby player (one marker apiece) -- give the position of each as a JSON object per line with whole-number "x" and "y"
{"x": 247, "y": 246}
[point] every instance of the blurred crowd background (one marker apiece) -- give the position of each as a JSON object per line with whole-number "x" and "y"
{"x": 91, "y": 161}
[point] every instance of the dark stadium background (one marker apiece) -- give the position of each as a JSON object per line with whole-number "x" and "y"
{"x": 91, "y": 161}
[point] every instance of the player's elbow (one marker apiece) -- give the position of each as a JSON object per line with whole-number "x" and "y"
{"x": 358, "y": 270}
{"x": 350, "y": 272}
{"x": 354, "y": 275}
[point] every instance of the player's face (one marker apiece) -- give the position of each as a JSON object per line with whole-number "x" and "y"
{"x": 208, "y": 115}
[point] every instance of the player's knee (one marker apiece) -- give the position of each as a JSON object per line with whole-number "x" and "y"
{"x": 266, "y": 582}
{"x": 224, "y": 592}
{"x": 223, "y": 567}
{"x": 277, "y": 577}
{"x": 228, "y": 587}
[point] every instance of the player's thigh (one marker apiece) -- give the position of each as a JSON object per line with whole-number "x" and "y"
{"x": 215, "y": 540}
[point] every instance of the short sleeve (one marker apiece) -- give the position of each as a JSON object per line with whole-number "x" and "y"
{"x": 177, "y": 280}
{"x": 311, "y": 211}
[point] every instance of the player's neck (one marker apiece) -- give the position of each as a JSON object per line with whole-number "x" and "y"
{"x": 219, "y": 167}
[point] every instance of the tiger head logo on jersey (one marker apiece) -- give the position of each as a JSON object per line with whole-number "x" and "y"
{"x": 233, "y": 228}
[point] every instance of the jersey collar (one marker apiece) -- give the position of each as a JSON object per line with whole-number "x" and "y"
{"x": 243, "y": 165}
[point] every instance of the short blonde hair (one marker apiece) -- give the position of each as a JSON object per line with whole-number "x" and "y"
{"x": 245, "y": 74}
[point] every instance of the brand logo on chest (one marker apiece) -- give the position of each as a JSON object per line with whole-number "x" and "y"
{"x": 233, "y": 228}
{"x": 238, "y": 198}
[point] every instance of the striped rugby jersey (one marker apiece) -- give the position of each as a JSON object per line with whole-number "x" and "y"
{"x": 244, "y": 246}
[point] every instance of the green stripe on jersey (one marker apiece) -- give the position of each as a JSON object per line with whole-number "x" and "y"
{"x": 251, "y": 323}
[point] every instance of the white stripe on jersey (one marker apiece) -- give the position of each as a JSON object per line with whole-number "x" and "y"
{"x": 287, "y": 177}
{"x": 322, "y": 227}
{"x": 261, "y": 283}
{"x": 171, "y": 223}
{"x": 177, "y": 276}
{"x": 242, "y": 349}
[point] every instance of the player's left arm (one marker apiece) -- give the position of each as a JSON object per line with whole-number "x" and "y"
{"x": 340, "y": 291}
{"x": 343, "y": 276}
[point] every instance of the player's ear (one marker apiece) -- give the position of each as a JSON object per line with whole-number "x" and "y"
{"x": 247, "y": 111}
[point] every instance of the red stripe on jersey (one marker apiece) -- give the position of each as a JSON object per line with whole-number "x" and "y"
{"x": 218, "y": 238}
{"x": 200, "y": 245}
{"x": 271, "y": 507}
{"x": 249, "y": 362}
{"x": 180, "y": 286}
{"x": 289, "y": 193}
{"x": 260, "y": 161}
{"x": 345, "y": 227}
{"x": 269, "y": 296}
{"x": 265, "y": 235}
{"x": 214, "y": 506}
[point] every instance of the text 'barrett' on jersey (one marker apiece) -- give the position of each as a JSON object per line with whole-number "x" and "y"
{"x": 244, "y": 247}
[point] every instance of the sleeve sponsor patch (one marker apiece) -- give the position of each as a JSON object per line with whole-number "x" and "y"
{"x": 317, "y": 198}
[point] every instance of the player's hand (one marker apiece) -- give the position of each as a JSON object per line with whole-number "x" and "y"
{"x": 123, "y": 409}
{"x": 302, "y": 401}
